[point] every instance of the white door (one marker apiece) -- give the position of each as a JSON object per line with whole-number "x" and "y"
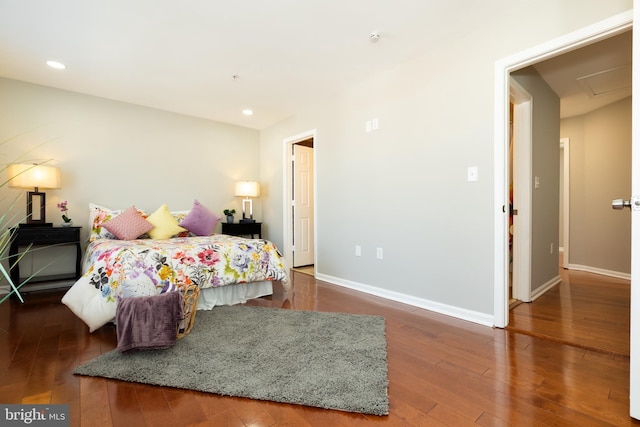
{"x": 521, "y": 163}
{"x": 302, "y": 206}
{"x": 634, "y": 393}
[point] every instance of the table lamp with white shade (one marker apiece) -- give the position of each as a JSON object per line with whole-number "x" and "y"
{"x": 247, "y": 189}
{"x": 36, "y": 177}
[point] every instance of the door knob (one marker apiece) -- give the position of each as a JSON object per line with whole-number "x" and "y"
{"x": 620, "y": 204}
{"x": 633, "y": 203}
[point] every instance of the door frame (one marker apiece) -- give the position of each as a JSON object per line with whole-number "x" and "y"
{"x": 634, "y": 364}
{"x": 566, "y": 188}
{"x": 521, "y": 163}
{"x": 287, "y": 181}
{"x": 503, "y": 68}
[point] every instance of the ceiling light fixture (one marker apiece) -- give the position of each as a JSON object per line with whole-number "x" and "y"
{"x": 247, "y": 112}
{"x": 57, "y": 65}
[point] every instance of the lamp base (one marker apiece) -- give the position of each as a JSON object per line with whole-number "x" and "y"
{"x": 245, "y": 220}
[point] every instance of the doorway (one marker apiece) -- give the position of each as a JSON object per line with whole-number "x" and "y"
{"x": 556, "y": 47}
{"x": 602, "y": 30}
{"x": 300, "y": 207}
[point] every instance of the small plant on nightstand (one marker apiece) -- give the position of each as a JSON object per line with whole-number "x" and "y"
{"x": 229, "y": 213}
{"x": 64, "y": 209}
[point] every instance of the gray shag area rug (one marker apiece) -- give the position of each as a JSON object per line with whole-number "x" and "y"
{"x": 327, "y": 360}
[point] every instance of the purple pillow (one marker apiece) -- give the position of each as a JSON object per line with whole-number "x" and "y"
{"x": 200, "y": 221}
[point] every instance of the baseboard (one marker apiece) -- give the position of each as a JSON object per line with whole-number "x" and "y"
{"x": 448, "y": 310}
{"x": 544, "y": 288}
{"x": 603, "y": 272}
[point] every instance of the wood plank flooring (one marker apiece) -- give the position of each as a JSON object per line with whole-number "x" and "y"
{"x": 586, "y": 310}
{"x": 442, "y": 372}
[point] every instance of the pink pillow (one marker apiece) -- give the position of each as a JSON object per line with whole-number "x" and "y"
{"x": 200, "y": 221}
{"x": 128, "y": 225}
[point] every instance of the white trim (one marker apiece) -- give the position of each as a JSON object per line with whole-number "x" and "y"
{"x": 564, "y": 146}
{"x": 501, "y": 197}
{"x": 582, "y": 37}
{"x": 287, "y": 232}
{"x": 522, "y": 194}
{"x": 544, "y": 288}
{"x": 448, "y": 310}
{"x": 601, "y": 271}
{"x": 634, "y": 344}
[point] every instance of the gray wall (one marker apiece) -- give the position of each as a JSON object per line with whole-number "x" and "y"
{"x": 545, "y": 164}
{"x": 600, "y": 171}
{"x": 436, "y": 120}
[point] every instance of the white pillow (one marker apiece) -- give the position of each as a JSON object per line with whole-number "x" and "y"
{"x": 97, "y": 216}
{"x": 141, "y": 286}
{"x": 87, "y": 303}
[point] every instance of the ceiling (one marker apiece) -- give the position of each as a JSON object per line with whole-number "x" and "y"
{"x": 590, "y": 77}
{"x": 204, "y": 59}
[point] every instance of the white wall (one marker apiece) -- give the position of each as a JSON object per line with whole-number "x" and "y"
{"x": 600, "y": 171}
{"x": 404, "y": 188}
{"x": 117, "y": 154}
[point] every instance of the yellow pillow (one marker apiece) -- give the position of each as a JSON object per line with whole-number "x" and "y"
{"x": 165, "y": 225}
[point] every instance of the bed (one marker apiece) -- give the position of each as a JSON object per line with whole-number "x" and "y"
{"x": 227, "y": 269}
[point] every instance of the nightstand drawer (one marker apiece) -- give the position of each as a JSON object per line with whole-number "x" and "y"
{"x": 47, "y": 235}
{"x": 242, "y": 229}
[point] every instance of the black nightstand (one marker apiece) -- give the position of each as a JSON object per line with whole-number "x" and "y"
{"x": 44, "y": 236}
{"x": 243, "y": 229}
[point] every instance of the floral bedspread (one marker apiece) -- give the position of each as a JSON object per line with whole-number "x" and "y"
{"x": 207, "y": 261}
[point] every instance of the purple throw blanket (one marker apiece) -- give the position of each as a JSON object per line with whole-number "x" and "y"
{"x": 148, "y": 322}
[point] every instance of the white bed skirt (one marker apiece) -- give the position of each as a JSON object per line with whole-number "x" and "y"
{"x": 233, "y": 294}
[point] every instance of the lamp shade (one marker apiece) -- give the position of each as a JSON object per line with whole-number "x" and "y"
{"x": 33, "y": 176}
{"x": 247, "y": 189}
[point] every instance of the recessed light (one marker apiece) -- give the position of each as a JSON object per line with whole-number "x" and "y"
{"x": 247, "y": 112}
{"x": 57, "y": 65}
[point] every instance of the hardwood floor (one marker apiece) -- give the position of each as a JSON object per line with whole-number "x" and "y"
{"x": 585, "y": 310}
{"x": 442, "y": 372}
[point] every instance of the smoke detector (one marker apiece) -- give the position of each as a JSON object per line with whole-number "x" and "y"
{"x": 374, "y": 36}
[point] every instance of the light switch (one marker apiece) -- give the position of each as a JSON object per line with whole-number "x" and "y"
{"x": 472, "y": 173}
{"x": 537, "y": 182}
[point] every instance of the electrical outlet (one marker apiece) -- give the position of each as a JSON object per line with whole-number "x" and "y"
{"x": 358, "y": 250}
{"x": 379, "y": 253}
